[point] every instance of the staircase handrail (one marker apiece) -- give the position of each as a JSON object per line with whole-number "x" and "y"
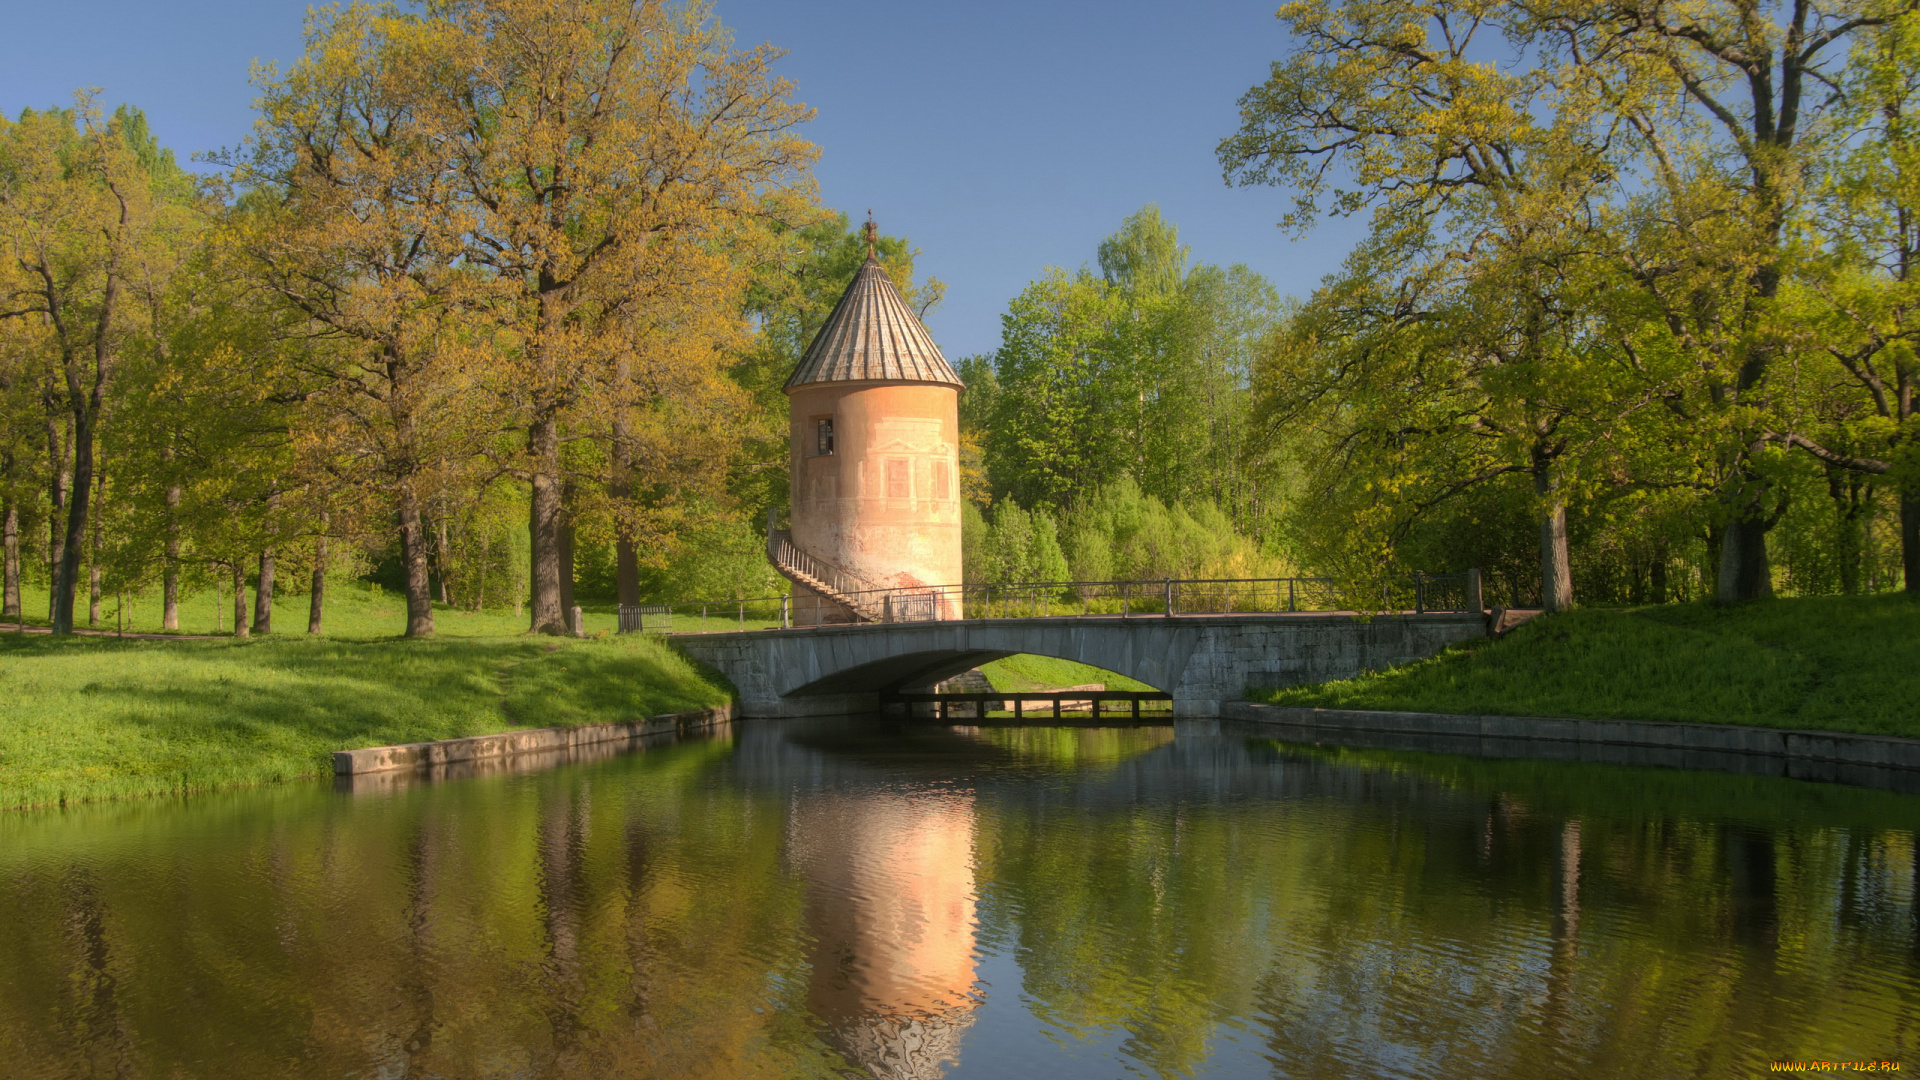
{"x": 845, "y": 588}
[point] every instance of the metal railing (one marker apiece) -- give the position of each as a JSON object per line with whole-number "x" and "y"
{"x": 1166, "y": 597}
{"x": 841, "y": 585}
{"x": 646, "y": 618}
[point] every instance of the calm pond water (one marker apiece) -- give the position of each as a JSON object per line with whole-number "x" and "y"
{"x": 846, "y": 898}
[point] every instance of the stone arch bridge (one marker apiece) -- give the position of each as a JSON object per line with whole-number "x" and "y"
{"x": 1201, "y": 660}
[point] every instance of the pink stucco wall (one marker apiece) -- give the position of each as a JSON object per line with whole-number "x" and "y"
{"x": 885, "y": 505}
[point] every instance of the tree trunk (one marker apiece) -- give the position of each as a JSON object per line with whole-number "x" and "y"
{"x": 10, "y": 592}
{"x": 1556, "y": 572}
{"x": 239, "y": 599}
{"x": 543, "y": 443}
{"x": 1850, "y": 520}
{"x": 627, "y": 571}
{"x": 1744, "y": 573}
{"x": 59, "y": 473}
{"x": 317, "y": 599}
{"x": 1657, "y": 574}
{"x": 440, "y": 558}
{"x": 66, "y": 578}
{"x": 263, "y": 595}
{"x": 1910, "y": 535}
{"x": 93, "y": 549}
{"x": 413, "y": 553}
{"x": 170, "y": 577}
{"x": 566, "y": 575}
{"x": 626, "y": 557}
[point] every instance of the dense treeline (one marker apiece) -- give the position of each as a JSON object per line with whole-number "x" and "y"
{"x": 1108, "y": 437}
{"x": 496, "y": 303}
{"x": 498, "y": 297}
{"x": 1639, "y": 281}
{"x": 1634, "y": 319}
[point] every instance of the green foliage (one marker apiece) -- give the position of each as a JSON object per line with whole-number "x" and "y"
{"x": 1138, "y": 373}
{"x": 1842, "y": 664}
{"x": 1120, "y": 533}
{"x": 1115, "y": 533}
{"x": 1010, "y": 553}
{"x": 1625, "y": 268}
{"x": 725, "y": 559}
{"x": 974, "y": 533}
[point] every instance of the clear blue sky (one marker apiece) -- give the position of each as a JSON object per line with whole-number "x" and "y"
{"x": 1001, "y": 137}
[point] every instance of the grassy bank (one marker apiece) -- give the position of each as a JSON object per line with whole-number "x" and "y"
{"x": 96, "y": 718}
{"x": 1835, "y": 663}
{"x": 353, "y": 609}
{"x": 1028, "y": 672}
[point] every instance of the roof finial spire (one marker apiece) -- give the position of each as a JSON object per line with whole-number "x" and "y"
{"x": 872, "y": 234}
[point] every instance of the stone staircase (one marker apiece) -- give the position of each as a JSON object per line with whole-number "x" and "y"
{"x": 857, "y": 595}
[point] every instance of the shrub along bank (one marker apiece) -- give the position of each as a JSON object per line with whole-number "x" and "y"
{"x": 1832, "y": 663}
{"x": 97, "y": 718}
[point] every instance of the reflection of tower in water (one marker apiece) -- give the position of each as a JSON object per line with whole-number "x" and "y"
{"x": 890, "y": 904}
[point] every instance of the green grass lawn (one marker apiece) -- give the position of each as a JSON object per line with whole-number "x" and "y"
{"x": 1029, "y": 672}
{"x": 354, "y": 609}
{"x": 99, "y": 717}
{"x": 359, "y": 609}
{"x": 1835, "y": 663}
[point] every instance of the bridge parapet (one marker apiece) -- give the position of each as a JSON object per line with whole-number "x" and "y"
{"x": 1201, "y": 660}
{"x": 855, "y": 600}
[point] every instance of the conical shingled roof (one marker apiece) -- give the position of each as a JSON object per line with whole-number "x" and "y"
{"x": 873, "y": 335}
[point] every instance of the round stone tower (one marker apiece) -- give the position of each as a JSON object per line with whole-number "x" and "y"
{"x": 874, "y": 464}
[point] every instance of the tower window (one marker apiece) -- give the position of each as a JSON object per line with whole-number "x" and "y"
{"x": 940, "y": 477}
{"x": 897, "y": 485}
{"x": 823, "y": 435}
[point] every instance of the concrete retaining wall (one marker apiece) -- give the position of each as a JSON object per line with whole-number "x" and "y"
{"x": 525, "y": 741}
{"x": 1202, "y": 660}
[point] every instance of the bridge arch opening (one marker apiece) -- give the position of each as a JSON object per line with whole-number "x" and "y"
{"x": 982, "y": 671}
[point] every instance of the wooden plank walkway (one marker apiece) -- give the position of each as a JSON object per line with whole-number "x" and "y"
{"x": 1057, "y": 699}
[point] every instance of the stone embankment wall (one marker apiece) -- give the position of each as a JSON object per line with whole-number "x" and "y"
{"x": 1879, "y": 761}
{"x": 456, "y": 752}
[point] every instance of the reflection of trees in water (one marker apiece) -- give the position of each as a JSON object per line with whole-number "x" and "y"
{"x": 561, "y": 839}
{"x": 93, "y": 1014}
{"x": 623, "y": 921}
{"x": 1372, "y": 921}
{"x": 689, "y": 914}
